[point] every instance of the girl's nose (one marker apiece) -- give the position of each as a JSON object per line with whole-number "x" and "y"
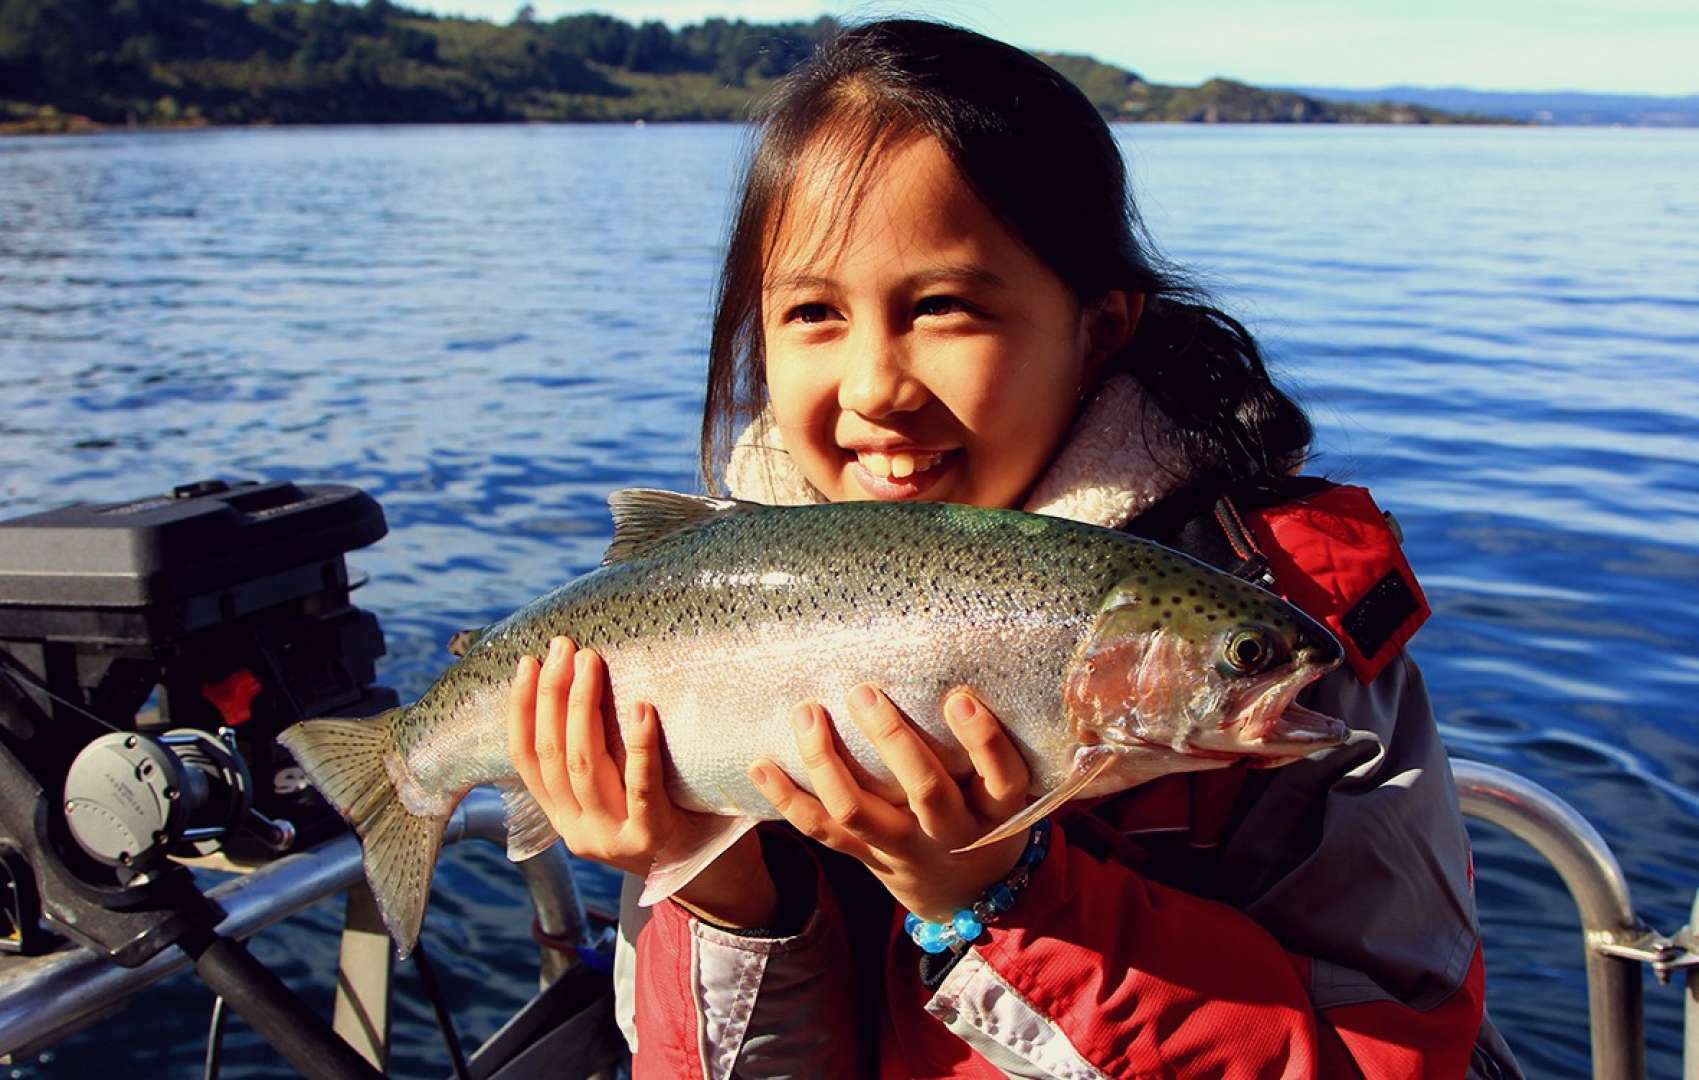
{"x": 878, "y": 381}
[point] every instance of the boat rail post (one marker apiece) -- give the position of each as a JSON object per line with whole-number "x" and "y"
{"x": 562, "y": 927}
{"x": 365, "y": 970}
{"x": 1584, "y": 861}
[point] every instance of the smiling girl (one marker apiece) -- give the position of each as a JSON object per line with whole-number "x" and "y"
{"x": 936, "y": 289}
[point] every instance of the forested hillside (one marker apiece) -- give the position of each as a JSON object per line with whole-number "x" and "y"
{"x": 74, "y": 64}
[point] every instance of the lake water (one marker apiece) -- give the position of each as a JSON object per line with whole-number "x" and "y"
{"x": 489, "y": 328}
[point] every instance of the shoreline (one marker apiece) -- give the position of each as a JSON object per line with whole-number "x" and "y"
{"x": 56, "y": 123}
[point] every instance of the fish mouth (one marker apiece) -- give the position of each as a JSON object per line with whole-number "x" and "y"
{"x": 1270, "y": 723}
{"x": 1263, "y": 722}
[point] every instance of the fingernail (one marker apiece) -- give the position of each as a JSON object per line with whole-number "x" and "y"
{"x": 555, "y": 646}
{"x": 962, "y": 708}
{"x": 803, "y": 717}
{"x": 758, "y": 775}
{"x": 863, "y": 698}
{"x": 581, "y": 662}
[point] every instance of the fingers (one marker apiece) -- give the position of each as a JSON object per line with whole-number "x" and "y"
{"x": 804, "y": 812}
{"x": 862, "y": 814}
{"x": 931, "y": 792}
{"x": 595, "y": 780}
{"x": 999, "y": 785}
{"x": 522, "y": 723}
{"x": 554, "y": 682}
{"x": 646, "y": 803}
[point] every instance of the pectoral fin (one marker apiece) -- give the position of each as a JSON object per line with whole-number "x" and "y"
{"x": 1089, "y": 763}
{"x": 697, "y": 840}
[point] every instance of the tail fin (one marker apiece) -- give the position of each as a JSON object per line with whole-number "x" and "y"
{"x": 345, "y": 760}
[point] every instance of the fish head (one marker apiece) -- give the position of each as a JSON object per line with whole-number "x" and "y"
{"x": 1198, "y": 663}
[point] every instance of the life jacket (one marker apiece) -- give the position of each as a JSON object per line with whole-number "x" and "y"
{"x": 1325, "y": 547}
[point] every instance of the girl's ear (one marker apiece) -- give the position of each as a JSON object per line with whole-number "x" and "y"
{"x": 1107, "y": 326}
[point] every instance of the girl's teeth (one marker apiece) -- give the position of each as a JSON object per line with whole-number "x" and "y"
{"x": 898, "y": 466}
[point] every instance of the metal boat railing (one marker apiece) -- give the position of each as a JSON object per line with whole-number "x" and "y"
{"x": 1616, "y": 942}
{"x": 44, "y": 998}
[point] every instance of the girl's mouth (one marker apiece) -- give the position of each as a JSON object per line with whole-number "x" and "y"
{"x": 902, "y": 474}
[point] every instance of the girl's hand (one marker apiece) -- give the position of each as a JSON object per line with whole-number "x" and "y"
{"x": 557, "y": 718}
{"x": 908, "y": 844}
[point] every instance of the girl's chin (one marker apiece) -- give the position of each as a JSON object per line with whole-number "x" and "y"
{"x": 922, "y": 485}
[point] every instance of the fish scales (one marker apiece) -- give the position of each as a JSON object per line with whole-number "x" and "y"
{"x": 1107, "y": 659}
{"x": 987, "y": 592}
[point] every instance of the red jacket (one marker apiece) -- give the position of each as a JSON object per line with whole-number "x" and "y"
{"x": 1315, "y": 920}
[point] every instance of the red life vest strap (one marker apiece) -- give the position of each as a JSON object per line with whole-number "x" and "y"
{"x": 1335, "y": 555}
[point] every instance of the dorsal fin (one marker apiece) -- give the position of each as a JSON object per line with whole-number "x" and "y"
{"x": 643, "y": 517}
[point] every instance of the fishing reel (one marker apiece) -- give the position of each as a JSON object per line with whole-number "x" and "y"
{"x": 132, "y": 799}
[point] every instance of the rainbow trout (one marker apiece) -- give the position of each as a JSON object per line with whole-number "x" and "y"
{"x": 1109, "y": 659}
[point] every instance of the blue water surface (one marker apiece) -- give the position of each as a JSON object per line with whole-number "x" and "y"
{"x": 490, "y": 328}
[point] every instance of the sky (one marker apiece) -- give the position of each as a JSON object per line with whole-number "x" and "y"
{"x": 1605, "y": 46}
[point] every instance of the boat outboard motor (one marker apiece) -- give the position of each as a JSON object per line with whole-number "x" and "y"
{"x": 150, "y": 652}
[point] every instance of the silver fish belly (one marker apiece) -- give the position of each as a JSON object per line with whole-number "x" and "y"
{"x": 727, "y": 615}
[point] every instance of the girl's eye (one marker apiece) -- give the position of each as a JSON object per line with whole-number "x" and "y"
{"x": 941, "y": 305}
{"x": 808, "y": 313}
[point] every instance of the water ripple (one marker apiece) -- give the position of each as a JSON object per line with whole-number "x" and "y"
{"x": 490, "y": 328}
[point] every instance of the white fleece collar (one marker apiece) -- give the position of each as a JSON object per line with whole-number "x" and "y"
{"x": 1119, "y": 458}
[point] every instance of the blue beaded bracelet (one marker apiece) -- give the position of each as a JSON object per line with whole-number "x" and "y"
{"x": 967, "y": 924}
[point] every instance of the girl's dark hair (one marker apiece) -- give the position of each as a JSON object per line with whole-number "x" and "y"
{"x": 1042, "y": 159}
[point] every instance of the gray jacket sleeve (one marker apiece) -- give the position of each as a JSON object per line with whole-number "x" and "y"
{"x": 1358, "y": 857}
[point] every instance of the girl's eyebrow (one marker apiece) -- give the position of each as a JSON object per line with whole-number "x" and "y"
{"x": 920, "y": 279}
{"x": 953, "y": 272}
{"x": 799, "y": 280}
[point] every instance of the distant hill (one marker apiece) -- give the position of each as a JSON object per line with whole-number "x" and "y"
{"x": 1122, "y": 95}
{"x": 70, "y": 65}
{"x": 1533, "y": 107}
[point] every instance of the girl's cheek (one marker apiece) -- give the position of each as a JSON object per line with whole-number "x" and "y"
{"x": 794, "y": 391}
{"x": 804, "y": 401}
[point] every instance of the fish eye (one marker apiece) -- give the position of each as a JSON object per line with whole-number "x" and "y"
{"x": 1247, "y": 651}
